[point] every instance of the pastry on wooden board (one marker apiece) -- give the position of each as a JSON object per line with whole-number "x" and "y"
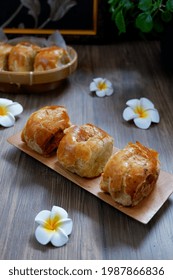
{"x": 51, "y": 58}
{"x": 45, "y": 128}
{"x": 85, "y": 149}
{"x": 131, "y": 174}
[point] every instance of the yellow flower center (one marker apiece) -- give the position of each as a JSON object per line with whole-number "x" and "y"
{"x": 141, "y": 112}
{"x": 3, "y": 111}
{"x": 52, "y": 224}
{"x": 102, "y": 86}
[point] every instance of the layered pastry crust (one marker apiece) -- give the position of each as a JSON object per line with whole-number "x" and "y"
{"x": 22, "y": 56}
{"x": 4, "y": 54}
{"x": 45, "y": 128}
{"x": 131, "y": 174}
{"x": 26, "y": 57}
{"x": 85, "y": 149}
{"x": 50, "y": 58}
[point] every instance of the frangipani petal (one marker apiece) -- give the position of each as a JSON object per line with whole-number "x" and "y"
{"x": 59, "y": 211}
{"x": 7, "y": 120}
{"x": 95, "y": 83}
{"x": 5, "y": 102}
{"x": 98, "y": 80}
{"x": 66, "y": 226}
{"x": 42, "y": 217}
{"x": 8, "y": 111}
{"x": 59, "y": 238}
{"x": 54, "y": 226}
{"x": 142, "y": 111}
{"x": 15, "y": 108}
{"x": 143, "y": 123}
{"x": 128, "y": 114}
{"x": 101, "y": 87}
{"x": 93, "y": 86}
{"x": 109, "y": 91}
{"x": 100, "y": 93}
{"x": 154, "y": 115}
{"x": 108, "y": 83}
{"x": 133, "y": 103}
{"x": 146, "y": 103}
{"x": 43, "y": 235}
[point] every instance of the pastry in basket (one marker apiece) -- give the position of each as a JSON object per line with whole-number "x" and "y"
{"x": 21, "y": 57}
{"x": 131, "y": 174}
{"x": 5, "y": 49}
{"x": 45, "y": 128}
{"x": 84, "y": 150}
{"x": 50, "y": 58}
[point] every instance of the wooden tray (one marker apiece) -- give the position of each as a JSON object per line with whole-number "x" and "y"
{"x": 143, "y": 212}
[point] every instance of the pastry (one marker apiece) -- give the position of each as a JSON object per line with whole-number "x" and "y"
{"x": 130, "y": 174}
{"x": 84, "y": 150}
{"x": 21, "y": 57}
{"x": 45, "y": 128}
{"x": 50, "y": 58}
{"x": 5, "y": 49}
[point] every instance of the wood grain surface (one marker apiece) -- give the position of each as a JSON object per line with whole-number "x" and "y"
{"x": 27, "y": 186}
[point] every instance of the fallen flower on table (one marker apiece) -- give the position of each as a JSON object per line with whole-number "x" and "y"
{"x": 54, "y": 226}
{"x": 142, "y": 112}
{"x": 101, "y": 87}
{"x": 8, "y": 111}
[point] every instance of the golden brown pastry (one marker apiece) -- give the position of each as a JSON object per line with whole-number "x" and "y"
{"x": 45, "y": 128}
{"x": 5, "y": 49}
{"x": 85, "y": 149}
{"x": 21, "y": 57}
{"x": 131, "y": 174}
{"x": 50, "y": 58}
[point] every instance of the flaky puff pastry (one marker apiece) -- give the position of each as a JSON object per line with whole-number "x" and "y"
{"x": 45, "y": 128}
{"x": 5, "y": 49}
{"x": 131, "y": 174}
{"x": 85, "y": 149}
{"x": 50, "y": 58}
{"x": 22, "y": 56}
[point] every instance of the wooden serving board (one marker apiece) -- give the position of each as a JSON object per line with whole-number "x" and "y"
{"x": 143, "y": 212}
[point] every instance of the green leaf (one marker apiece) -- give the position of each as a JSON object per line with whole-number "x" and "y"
{"x": 145, "y": 5}
{"x": 127, "y": 4}
{"x": 120, "y": 22}
{"x": 169, "y": 5}
{"x": 166, "y": 16}
{"x": 144, "y": 22}
{"x": 156, "y": 5}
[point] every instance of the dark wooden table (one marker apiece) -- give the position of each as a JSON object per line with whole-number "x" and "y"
{"x": 27, "y": 186}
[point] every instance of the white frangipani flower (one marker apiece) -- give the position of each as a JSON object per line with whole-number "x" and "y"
{"x": 54, "y": 226}
{"x": 142, "y": 112}
{"x": 101, "y": 87}
{"x": 8, "y": 111}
